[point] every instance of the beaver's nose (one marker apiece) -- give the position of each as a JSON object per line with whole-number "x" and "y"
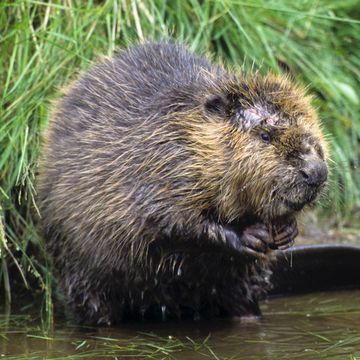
{"x": 314, "y": 172}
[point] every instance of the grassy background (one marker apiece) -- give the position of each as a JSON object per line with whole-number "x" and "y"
{"x": 44, "y": 44}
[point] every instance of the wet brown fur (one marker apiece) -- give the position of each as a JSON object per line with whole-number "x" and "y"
{"x": 124, "y": 207}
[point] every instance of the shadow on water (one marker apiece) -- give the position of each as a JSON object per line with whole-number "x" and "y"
{"x": 317, "y": 325}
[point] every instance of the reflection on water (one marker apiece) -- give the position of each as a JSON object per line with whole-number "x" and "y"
{"x": 313, "y": 326}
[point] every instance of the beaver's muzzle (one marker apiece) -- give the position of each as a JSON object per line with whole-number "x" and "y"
{"x": 314, "y": 171}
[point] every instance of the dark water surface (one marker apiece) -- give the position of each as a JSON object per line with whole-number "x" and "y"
{"x": 322, "y": 325}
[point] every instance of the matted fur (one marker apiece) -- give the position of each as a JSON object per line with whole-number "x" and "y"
{"x": 140, "y": 177}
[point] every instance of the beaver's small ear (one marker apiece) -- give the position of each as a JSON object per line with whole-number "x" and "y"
{"x": 216, "y": 104}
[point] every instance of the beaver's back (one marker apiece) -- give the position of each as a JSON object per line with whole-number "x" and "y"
{"x": 113, "y": 162}
{"x": 154, "y": 78}
{"x": 123, "y": 100}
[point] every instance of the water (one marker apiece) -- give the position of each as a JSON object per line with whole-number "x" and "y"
{"x": 322, "y": 325}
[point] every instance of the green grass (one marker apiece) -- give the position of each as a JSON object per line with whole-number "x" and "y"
{"x": 45, "y": 44}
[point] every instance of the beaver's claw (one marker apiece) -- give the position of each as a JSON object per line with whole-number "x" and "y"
{"x": 284, "y": 235}
{"x": 254, "y": 240}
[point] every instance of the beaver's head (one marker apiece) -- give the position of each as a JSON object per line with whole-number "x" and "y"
{"x": 276, "y": 153}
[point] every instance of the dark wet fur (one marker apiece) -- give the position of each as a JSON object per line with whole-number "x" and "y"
{"x": 129, "y": 221}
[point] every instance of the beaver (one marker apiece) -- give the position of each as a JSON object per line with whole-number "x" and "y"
{"x": 167, "y": 182}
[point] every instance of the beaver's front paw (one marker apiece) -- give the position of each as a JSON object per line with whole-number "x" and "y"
{"x": 284, "y": 235}
{"x": 253, "y": 241}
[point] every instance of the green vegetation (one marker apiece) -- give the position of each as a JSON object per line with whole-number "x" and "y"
{"x": 45, "y": 44}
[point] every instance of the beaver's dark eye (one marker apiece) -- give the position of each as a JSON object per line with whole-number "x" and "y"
{"x": 265, "y": 137}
